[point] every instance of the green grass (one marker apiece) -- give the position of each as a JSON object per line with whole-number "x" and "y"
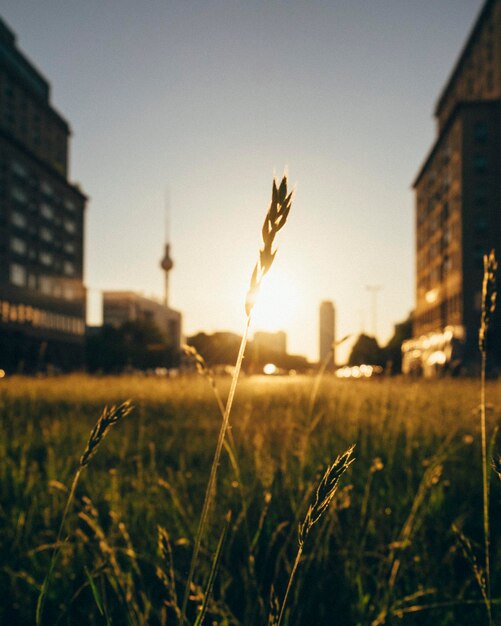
{"x": 384, "y": 553}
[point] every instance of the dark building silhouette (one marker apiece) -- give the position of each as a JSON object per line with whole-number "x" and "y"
{"x": 458, "y": 204}
{"x": 42, "y": 295}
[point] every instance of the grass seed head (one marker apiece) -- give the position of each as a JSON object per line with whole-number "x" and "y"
{"x": 274, "y": 221}
{"x": 496, "y": 465}
{"x": 325, "y": 492}
{"x": 489, "y": 293}
{"x": 111, "y": 415}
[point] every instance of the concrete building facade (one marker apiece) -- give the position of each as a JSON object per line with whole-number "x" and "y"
{"x": 458, "y": 204}
{"x": 42, "y": 294}
{"x": 127, "y": 306}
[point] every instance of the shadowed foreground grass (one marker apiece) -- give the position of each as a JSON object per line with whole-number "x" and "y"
{"x": 385, "y": 553}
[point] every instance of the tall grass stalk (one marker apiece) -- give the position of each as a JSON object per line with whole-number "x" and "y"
{"x": 110, "y": 416}
{"x": 489, "y": 293}
{"x": 275, "y": 219}
{"x": 323, "y": 497}
{"x": 320, "y": 374}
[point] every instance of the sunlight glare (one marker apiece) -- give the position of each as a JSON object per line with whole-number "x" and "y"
{"x": 277, "y": 303}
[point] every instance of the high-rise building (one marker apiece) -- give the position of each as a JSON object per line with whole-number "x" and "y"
{"x": 42, "y": 295}
{"x": 327, "y": 333}
{"x": 458, "y": 203}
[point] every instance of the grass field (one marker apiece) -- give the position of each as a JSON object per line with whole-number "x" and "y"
{"x": 402, "y": 542}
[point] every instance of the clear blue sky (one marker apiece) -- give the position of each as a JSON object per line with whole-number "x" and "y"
{"x": 210, "y": 98}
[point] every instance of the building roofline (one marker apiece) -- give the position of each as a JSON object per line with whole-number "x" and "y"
{"x": 482, "y": 15}
{"x": 9, "y": 37}
{"x": 134, "y": 295}
{"x": 462, "y": 104}
{"x": 42, "y": 163}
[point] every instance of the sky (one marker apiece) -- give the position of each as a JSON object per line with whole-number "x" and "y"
{"x": 206, "y": 101}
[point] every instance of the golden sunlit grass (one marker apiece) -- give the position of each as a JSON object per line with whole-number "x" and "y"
{"x": 396, "y": 507}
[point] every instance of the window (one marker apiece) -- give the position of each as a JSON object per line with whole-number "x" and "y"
{"x": 17, "y": 275}
{"x": 46, "y": 258}
{"x": 19, "y": 169}
{"x": 69, "y": 268}
{"x": 47, "y": 211}
{"x": 46, "y": 234}
{"x": 70, "y": 205}
{"x": 69, "y": 247}
{"x": 18, "y": 245}
{"x": 18, "y": 194}
{"x": 46, "y": 188}
{"x": 18, "y": 219}
{"x": 70, "y": 226}
{"x": 45, "y": 284}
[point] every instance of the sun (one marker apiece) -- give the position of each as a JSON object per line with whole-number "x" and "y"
{"x": 277, "y": 302}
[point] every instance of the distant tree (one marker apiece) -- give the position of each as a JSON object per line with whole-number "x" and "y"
{"x": 138, "y": 344}
{"x": 217, "y": 349}
{"x": 366, "y": 350}
{"x": 392, "y": 352}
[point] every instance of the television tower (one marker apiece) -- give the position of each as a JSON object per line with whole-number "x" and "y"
{"x": 167, "y": 263}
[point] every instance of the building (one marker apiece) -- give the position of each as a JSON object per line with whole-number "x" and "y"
{"x": 42, "y": 295}
{"x": 458, "y": 204}
{"x": 126, "y": 306}
{"x": 327, "y": 325}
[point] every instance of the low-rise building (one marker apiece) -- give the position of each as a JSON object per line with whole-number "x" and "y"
{"x": 127, "y": 306}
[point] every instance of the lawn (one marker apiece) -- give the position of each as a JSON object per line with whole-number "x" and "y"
{"x": 401, "y": 543}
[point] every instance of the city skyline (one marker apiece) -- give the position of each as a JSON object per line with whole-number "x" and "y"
{"x": 211, "y": 101}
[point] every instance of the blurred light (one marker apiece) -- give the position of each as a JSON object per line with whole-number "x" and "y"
{"x": 437, "y": 358}
{"x": 362, "y": 371}
{"x": 2, "y": 373}
{"x": 269, "y": 369}
{"x": 431, "y": 296}
{"x": 366, "y": 370}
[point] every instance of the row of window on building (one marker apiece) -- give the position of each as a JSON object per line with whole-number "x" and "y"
{"x": 45, "y": 258}
{"x": 22, "y": 117}
{"x": 436, "y": 248}
{"x": 47, "y": 285}
{"x": 441, "y": 314}
{"x": 22, "y": 174}
{"x": 438, "y": 273}
{"x": 38, "y": 318}
{"x": 20, "y": 220}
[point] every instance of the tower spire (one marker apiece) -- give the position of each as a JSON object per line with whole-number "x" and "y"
{"x": 167, "y": 263}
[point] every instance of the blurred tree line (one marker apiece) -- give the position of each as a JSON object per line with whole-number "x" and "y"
{"x": 367, "y": 350}
{"x": 134, "y": 345}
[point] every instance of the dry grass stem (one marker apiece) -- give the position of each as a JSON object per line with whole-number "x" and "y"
{"x": 324, "y": 494}
{"x": 489, "y": 293}
{"x": 275, "y": 220}
{"x": 111, "y": 415}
